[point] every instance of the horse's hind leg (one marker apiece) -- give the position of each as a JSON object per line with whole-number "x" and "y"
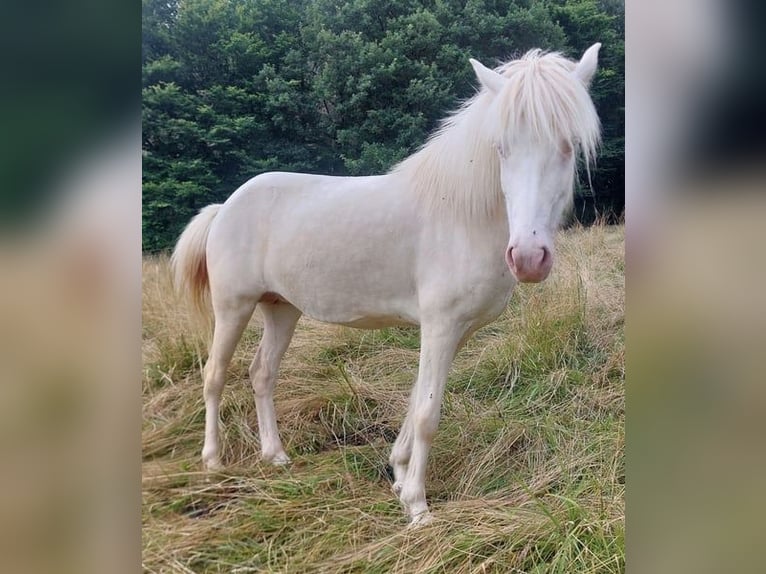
{"x": 279, "y": 320}
{"x": 231, "y": 317}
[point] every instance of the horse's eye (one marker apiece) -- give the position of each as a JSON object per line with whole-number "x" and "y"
{"x": 566, "y": 149}
{"x": 500, "y": 150}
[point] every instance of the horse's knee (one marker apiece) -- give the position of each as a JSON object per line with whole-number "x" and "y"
{"x": 262, "y": 380}
{"x": 262, "y": 374}
{"x": 214, "y": 380}
{"x": 426, "y": 422}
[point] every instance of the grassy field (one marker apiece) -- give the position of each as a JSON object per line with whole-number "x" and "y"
{"x": 526, "y": 473}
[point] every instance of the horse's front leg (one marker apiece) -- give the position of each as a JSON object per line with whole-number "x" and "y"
{"x": 438, "y": 344}
{"x": 402, "y": 449}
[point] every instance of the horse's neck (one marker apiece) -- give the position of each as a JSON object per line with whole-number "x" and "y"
{"x": 456, "y": 175}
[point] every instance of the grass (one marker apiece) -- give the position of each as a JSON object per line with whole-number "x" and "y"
{"x": 526, "y": 473}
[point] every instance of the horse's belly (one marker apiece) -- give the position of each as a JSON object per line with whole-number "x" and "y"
{"x": 354, "y": 311}
{"x": 374, "y": 322}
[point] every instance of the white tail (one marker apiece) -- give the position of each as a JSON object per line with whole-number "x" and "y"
{"x": 189, "y": 261}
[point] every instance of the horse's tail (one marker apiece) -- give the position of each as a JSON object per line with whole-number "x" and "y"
{"x": 189, "y": 261}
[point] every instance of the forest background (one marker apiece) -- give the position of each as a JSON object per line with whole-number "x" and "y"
{"x": 231, "y": 89}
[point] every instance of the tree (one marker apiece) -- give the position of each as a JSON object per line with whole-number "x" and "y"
{"x": 233, "y": 89}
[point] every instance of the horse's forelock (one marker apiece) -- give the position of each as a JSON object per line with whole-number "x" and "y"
{"x": 545, "y": 97}
{"x": 456, "y": 173}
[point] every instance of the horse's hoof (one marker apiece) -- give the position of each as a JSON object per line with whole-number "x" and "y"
{"x": 279, "y": 459}
{"x": 213, "y": 465}
{"x": 397, "y": 488}
{"x": 422, "y": 519}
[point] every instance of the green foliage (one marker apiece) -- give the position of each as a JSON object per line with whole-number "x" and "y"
{"x": 233, "y": 89}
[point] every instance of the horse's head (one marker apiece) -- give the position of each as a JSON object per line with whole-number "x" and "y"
{"x": 539, "y": 117}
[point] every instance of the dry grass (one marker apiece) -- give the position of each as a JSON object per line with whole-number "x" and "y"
{"x": 526, "y": 473}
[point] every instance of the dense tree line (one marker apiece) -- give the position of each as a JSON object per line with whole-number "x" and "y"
{"x": 345, "y": 87}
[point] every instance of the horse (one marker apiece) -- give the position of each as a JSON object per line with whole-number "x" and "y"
{"x": 438, "y": 242}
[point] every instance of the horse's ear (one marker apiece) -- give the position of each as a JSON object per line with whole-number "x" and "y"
{"x": 586, "y": 67}
{"x": 490, "y": 79}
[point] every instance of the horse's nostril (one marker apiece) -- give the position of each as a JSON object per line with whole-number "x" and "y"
{"x": 546, "y": 256}
{"x": 509, "y": 258}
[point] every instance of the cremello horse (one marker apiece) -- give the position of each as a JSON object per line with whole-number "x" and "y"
{"x": 439, "y": 242}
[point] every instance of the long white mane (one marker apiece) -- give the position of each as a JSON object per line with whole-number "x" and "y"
{"x": 457, "y": 171}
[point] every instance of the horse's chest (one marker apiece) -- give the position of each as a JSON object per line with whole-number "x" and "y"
{"x": 488, "y": 295}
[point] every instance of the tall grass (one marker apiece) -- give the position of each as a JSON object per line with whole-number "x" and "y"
{"x": 526, "y": 473}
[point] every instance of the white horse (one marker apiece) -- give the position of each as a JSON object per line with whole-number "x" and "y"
{"x": 440, "y": 242}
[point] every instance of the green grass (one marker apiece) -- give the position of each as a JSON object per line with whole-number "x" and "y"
{"x": 526, "y": 473}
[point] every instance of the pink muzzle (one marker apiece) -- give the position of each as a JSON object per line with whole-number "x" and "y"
{"x": 529, "y": 264}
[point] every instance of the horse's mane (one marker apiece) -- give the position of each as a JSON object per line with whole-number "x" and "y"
{"x": 457, "y": 171}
